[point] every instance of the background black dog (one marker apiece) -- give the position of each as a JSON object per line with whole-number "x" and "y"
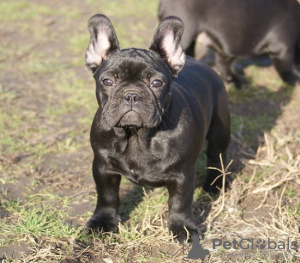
{"x": 238, "y": 29}
{"x": 149, "y": 127}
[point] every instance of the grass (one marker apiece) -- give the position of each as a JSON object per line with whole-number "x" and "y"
{"x": 46, "y": 190}
{"x": 37, "y": 221}
{"x": 22, "y": 10}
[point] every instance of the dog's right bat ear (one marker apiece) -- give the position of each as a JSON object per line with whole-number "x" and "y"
{"x": 166, "y": 43}
{"x": 103, "y": 41}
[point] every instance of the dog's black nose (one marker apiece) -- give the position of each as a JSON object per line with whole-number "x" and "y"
{"x": 132, "y": 97}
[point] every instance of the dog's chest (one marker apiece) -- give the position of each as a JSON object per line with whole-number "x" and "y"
{"x": 142, "y": 163}
{"x": 144, "y": 172}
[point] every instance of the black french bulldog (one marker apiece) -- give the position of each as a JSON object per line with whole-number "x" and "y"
{"x": 238, "y": 29}
{"x": 149, "y": 127}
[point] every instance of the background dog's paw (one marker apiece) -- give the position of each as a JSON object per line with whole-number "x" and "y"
{"x": 239, "y": 81}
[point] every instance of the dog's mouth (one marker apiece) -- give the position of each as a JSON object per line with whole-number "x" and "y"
{"x": 147, "y": 116}
{"x": 131, "y": 119}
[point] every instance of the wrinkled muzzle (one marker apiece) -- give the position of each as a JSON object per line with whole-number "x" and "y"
{"x": 133, "y": 108}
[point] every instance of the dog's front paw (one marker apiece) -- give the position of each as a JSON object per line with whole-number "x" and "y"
{"x": 108, "y": 222}
{"x": 178, "y": 224}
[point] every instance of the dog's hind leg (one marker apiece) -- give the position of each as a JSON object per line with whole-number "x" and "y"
{"x": 283, "y": 59}
{"x": 218, "y": 138}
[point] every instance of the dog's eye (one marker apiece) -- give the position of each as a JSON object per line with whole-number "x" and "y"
{"x": 156, "y": 83}
{"x": 108, "y": 82}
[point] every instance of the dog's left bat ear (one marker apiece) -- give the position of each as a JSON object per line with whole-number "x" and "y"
{"x": 103, "y": 41}
{"x": 166, "y": 43}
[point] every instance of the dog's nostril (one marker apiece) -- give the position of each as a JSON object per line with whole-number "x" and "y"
{"x": 131, "y": 97}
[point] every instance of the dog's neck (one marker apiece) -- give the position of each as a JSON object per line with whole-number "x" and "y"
{"x": 133, "y": 132}
{"x": 134, "y": 138}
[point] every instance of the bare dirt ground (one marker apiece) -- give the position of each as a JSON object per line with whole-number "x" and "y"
{"x": 47, "y": 192}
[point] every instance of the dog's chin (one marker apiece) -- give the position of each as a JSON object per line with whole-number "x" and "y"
{"x": 131, "y": 119}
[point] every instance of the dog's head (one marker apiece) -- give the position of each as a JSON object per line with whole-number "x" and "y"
{"x": 134, "y": 85}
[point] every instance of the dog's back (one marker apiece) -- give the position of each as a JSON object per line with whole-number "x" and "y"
{"x": 201, "y": 86}
{"x": 239, "y": 28}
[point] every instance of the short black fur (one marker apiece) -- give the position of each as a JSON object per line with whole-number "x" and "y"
{"x": 150, "y": 126}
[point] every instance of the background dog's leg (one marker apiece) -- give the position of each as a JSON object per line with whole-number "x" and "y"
{"x": 188, "y": 40}
{"x": 284, "y": 64}
{"x": 224, "y": 66}
{"x": 190, "y": 51}
{"x": 106, "y": 213}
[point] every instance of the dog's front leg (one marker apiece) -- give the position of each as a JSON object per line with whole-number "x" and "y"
{"x": 106, "y": 213}
{"x": 181, "y": 189}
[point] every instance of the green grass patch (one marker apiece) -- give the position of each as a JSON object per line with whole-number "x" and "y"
{"x": 294, "y": 210}
{"x": 131, "y": 33}
{"x": 254, "y": 93}
{"x": 252, "y": 125}
{"x": 36, "y": 219}
{"x": 127, "y": 8}
{"x": 38, "y": 63}
{"x": 152, "y": 203}
{"x": 78, "y": 44}
{"x": 22, "y": 9}
{"x": 290, "y": 191}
